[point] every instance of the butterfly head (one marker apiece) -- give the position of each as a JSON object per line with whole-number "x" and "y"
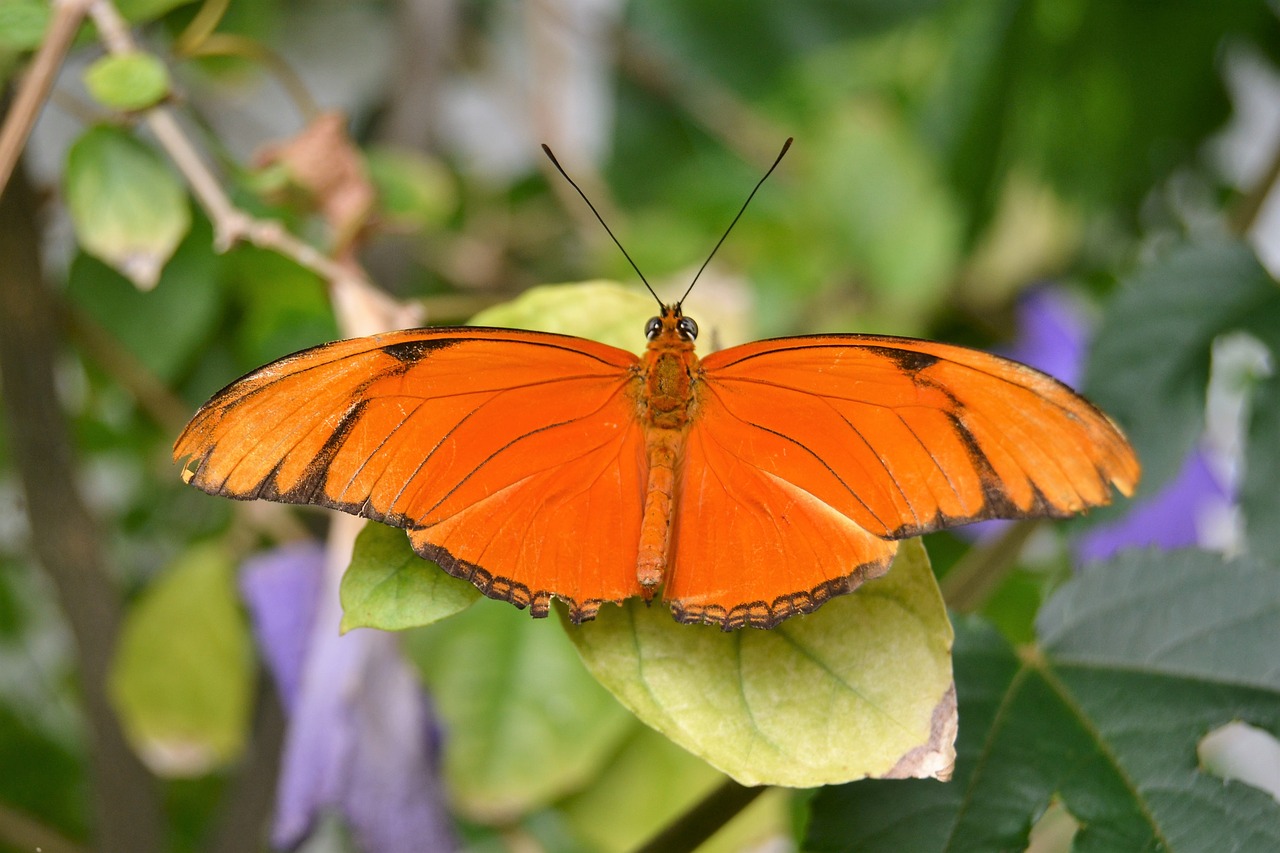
{"x": 671, "y": 325}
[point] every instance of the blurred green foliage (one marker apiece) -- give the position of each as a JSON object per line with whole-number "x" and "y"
{"x": 947, "y": 156}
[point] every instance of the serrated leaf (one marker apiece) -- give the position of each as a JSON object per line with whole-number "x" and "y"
{"x": 182, "y": 680}
{"x": 1138, "y": 659}
{"x": 127, "y": 81}
{"x": 23, "y": 24}
{"x": 1259, "y": 497}
{"x": 390, "y": 587}
{"x": 526, "y": 723}
{"x": 862, "y": 687}
{"x": 127, "y": 206}
{"x": 1149, "y": 363}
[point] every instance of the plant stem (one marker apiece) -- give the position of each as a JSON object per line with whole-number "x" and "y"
{"x": 972, "y": 580}
{"x": 704, "y": 820}
{"x": 64, "y": 535}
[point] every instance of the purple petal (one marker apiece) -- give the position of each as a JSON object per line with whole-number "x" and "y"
{"x": 281, "y": 589}
{"x": 1174, "y": 517}
{"x": 361, "y": 741}
{"x": 1051, "y": 333}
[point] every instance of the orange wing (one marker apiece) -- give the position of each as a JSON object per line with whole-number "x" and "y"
{"x": 519, "y": 452}
{"x": 812, "y": 455}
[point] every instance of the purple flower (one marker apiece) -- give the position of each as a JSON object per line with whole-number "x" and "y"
{"x": 1052, "y": 336}
{"x": 362, "y": 738}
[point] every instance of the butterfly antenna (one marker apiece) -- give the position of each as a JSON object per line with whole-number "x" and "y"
{"x": 547, "y": 150}
{"x": 743, "y": 210}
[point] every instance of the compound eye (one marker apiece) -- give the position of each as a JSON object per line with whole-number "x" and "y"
{"x": 653, "y": 327}
{"x": 687, "y": 328}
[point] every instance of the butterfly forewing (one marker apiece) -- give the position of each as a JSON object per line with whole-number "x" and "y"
{"x": 513, "y": 458}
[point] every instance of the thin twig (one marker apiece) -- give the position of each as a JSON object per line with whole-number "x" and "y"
{"x": 34, "y": 89}
{"x": 979, "y": 573}
{"x": 231, "y": 225}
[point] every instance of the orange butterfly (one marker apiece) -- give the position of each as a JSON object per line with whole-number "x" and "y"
{"x": 750, "y": 485}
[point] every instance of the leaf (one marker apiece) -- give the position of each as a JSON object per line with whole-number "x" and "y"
{"x": 1138, "y": 659}
{"x": 390, "y": 587}
{"x": 1259, "y": 497}
{"x": 862, "y": 687}
{"x": 165, "y": 327}
{"x": 604, "y": 311}
{"x": 127, "y": 81}
{"x": 1149, "y": 364}
{"x": 182, "y": 680}
{"x": 414, "y": 190}
{"x": 23, "y": 24}
{"x": 141, "y": 11}
{"x": 526, "y": 723}
{"x": 1082, "y": 93}
{"x": 650, "y": 768}
{"x": 127, "y": 207}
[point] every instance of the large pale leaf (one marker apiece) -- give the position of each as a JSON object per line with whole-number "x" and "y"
{"x": 127, "y": 206}
{"x": 183, "y": 674}
{"x": 604, "y": 311}
{"x": 390, "y": 587}
{"x": 1137, "y": 661}
{"x": 525, "y": 724}
{"x": 860, "y": 688}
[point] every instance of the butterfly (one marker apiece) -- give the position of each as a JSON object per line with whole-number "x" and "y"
{"x": 744, "y": 487}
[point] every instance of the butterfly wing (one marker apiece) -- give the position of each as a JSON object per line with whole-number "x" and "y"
{"x": 514, "y": 459}
{"x": 816, "y": 454}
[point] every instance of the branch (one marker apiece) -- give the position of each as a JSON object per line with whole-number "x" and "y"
{"x": 64, "y": 535}
{"x": 231, "y": 225}
{"x": 982, "y": 569}
{"x": 37, "y": 83}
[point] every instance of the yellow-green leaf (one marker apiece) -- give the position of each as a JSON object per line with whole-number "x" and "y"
{"x": 127, "y": 206}
{"x": 23, "y": 24}
{"x": 414, "y": 190}
{"x": 127, "y": 81}
{"x": 604, "y": 311}
{"x": 183, "y": 675}
{"x": 390, "y": 587}
{"x": 527, "y": 724}
{"x": 861, "y": 688}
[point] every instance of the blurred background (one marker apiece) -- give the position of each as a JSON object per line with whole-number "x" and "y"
{"x": 978, "y": 171}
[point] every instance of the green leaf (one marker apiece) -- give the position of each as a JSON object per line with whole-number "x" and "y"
{"x": 165, "y": 327}
{"x": 1259, "y": 497}
{"x": 23, "y": 24}
{"x": 651, "y": 769}
{"x": 390, "y": 587}
{"x": 414, "y": 190}
{"x": 1138, "y": 659}
{"x": 604, "y": 311}
{"x": 127, "y": 206}
{"x": 862, "y": 687}
{"x": 127, "y": 81}
{"x": 527, "y": 724}
{"x": 1082, "y": 93}
{"x": 1149, "y": 364}
{"x": 141, "y": 11}
{"x": 183, "y": 676}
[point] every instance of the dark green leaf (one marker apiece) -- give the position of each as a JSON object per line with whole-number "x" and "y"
{"x": 1138, "y": 660}
{"x": 1149, "y": 364}
{"x": 1259, "y": 495}
{"x": 390, "y": 587}
{"x": 164, "y": 327}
